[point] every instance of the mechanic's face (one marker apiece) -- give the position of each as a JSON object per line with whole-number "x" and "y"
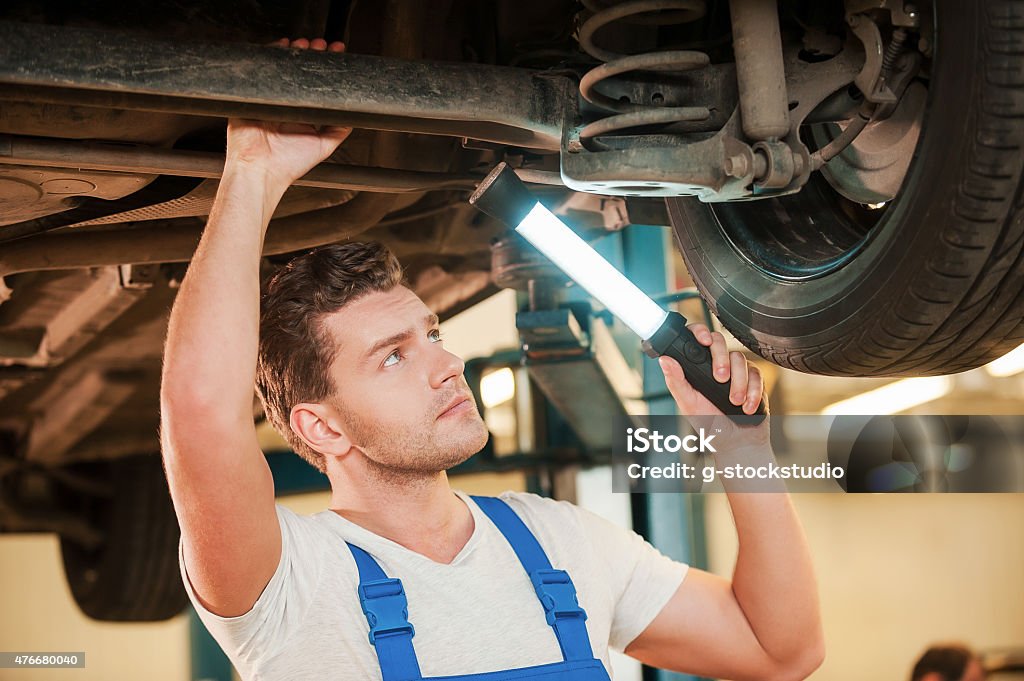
{"x": 396, "y": 386}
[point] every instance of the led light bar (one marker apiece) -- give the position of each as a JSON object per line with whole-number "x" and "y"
{"x": 504, "y": 196}
{"x": 586, "y": 267}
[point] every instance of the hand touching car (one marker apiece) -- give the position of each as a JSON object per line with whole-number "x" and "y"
{"x": 284, "y": 151}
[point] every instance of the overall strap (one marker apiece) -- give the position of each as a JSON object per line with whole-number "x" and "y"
{"x": 554, "y": 588}
{"x": 387, "y": 612}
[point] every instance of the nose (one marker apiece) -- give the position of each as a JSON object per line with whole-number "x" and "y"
{"x": 447, "y": 367}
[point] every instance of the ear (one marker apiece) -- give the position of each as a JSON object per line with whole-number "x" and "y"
{"x": 318, "y": 425}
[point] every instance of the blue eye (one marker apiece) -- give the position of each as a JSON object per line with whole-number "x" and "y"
{"x": 391, "y": 360}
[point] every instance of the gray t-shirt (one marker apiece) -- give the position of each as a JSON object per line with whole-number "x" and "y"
{"x": 477, "y": 614}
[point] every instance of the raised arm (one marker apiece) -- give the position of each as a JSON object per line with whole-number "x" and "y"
{"x": 764, "y": 624}
{"x": 220, "y": 483}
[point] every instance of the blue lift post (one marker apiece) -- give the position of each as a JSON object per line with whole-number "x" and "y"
{"x": 209, "y": 663}
{"x": 674, "y": 523}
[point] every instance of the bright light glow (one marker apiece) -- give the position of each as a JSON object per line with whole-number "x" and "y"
{"x": 586, "y": 267}
{"x": 1007, "y": 365}
{"x": 876, "y": 206}
{"x": 497, "y": 387}
{"x": 894, "y": 397}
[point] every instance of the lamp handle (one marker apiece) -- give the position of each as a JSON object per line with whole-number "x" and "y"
{"x": 674, "y": 340}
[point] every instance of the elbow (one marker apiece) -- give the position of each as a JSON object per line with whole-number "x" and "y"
{"x": 804, "y": 664}
{"x": 815, "y": 658}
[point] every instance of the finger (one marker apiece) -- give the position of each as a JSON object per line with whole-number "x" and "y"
{"x": 335, "y": 132}
{"x": 296, "y": 128}
{"x": 755, "y": 391}
{"x": 238, "y": 123}
{"x": 336, "y": 46}
{"x": 765, "y": 404}
{"x": 738, "y": 383}
{"x": 318, "y": 44}
{"x": 280, "y": 42}
{"x": 681, "y": 390}
{"x": 300, "y": 43}
{"x": 701, "y": 332}
{"x": 719, "y": 357}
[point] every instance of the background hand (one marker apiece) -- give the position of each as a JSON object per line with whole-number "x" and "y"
{"x": 285, "y": 151}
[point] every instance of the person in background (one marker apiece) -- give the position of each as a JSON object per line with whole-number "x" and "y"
{"x": 948, "y": 662}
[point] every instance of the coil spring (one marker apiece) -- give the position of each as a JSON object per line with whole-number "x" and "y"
{"x": 899, "y": 36}
{"x": 628, "y": 114}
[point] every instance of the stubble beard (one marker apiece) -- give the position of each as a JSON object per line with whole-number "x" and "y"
{"x": 414, "y": 455}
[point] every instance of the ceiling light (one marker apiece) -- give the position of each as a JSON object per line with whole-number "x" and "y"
{"x": 497, "y": 387}
{"x": 893, "y": 397}
{"x": 1009, "y": 364}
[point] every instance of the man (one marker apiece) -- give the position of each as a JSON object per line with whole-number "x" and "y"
{"x": 352, "y": 370}
{"x": 948, "y": 662}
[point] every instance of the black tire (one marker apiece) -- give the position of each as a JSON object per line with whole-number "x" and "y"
{"x": 932, "y": 287}
{"x": 881, "y": 454}
{"x": 133, "y": 576}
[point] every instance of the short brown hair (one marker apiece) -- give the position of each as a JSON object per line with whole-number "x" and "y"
{"x": 295, "y": 350}
{"x": 949, "y": 661}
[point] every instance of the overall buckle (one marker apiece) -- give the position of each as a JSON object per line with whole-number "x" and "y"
{"x": 386, "y": 608}
{"x": 557, "y": 594}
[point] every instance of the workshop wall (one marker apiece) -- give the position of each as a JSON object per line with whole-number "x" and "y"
{"x": 39, "y": 615}
{"x": 899, "y": 572}
{"x": 484, "y": 329}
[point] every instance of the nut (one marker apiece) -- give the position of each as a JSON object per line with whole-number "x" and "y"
{"x": 736, "y": 165}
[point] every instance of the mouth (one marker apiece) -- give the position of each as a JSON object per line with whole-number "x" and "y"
{"x": 458, "y": 405}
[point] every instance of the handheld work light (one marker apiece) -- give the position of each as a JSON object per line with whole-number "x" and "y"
{"x": 504, "y": 196}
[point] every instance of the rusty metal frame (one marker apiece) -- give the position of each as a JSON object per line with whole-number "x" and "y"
{"x": 64, "y": 65}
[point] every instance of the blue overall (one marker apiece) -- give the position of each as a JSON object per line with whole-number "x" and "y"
{"x": 384, "y": 603}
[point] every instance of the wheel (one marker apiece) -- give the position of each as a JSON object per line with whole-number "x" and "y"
{"x": 133, "y": 575}
{"x": 929, "y": 284}
{"x": 924, "y": 454}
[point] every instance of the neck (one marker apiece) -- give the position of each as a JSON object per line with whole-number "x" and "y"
{"x": 422, "y": 513}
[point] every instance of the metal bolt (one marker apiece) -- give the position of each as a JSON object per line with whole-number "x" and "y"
{"x": 736, "y": 166}
{"x": 798, "y": 164}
